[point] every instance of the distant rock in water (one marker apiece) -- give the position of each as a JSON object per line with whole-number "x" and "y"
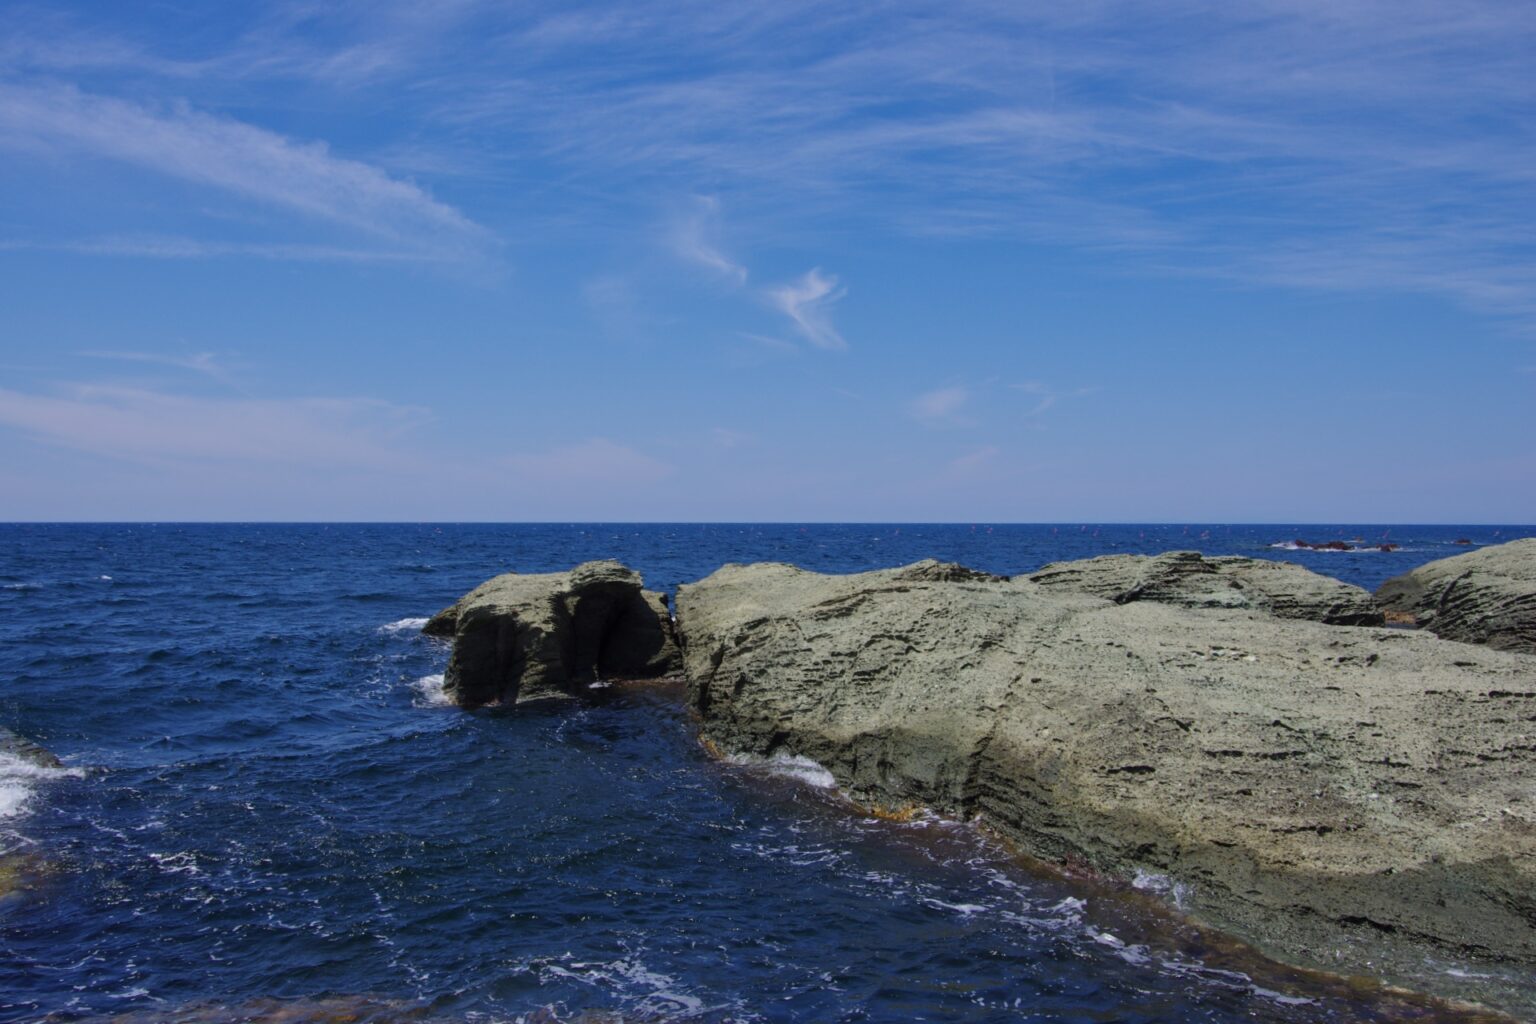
{"x": 520, "y": 637}
{"x": 19, "y": 746}
{"x": 1482, "y": 597}
{"x": 1191, "y": 580}
{"x": 1346, "y": 798}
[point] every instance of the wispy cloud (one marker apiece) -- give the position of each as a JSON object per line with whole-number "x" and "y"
{"x": 133, "y": 423}
{"x": 159, "y": 247}
{"x": 1044, "y": 397}
{"x": 694, "y": 237}
{"x": 941, "y": 406}
{"x": 723, "y": 437}
{"x": 239, "y": 159}
{"x": 808, "y": 303}
{"x": 1364, "y": 145}
{"x": 973, "y": 462}
{"x": 206, "y": 363}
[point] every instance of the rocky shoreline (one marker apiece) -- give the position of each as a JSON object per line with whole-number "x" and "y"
{"x": 1344, "y": 797}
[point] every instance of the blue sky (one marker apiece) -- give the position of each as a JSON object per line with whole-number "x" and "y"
{"x": 479, "y": 260}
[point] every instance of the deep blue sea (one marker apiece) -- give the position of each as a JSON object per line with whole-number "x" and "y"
{"x": 269, "y": 815}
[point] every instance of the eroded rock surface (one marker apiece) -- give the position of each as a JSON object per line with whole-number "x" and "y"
{"x": 1481, "y": 597}
{"x": 1344, "y": 798}
{"x": 520, "y": 637}
{"x": 1190, "y": 579}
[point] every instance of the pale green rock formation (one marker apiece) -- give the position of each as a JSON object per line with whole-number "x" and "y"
{"x": 1348, "y": 798}
{"x": 1193, "y": 580}
{"x": 522, "y": 637}
{"x": 1482, "y": 597}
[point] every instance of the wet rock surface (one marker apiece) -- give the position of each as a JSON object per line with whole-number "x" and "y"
{"x": 1193, "y": 580}
{"x": 17, "y": 745}
{"x": 522, "y": 637}
{"x": 1482, "y": 597}
{"x": 1354, "y": 799}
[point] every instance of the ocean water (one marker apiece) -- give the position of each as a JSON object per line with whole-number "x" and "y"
{"x": 268, "y": 814}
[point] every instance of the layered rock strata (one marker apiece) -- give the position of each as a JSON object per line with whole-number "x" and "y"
{"x": 521, "y": 637}
{"x": 1343, "y": 797}
{"x": 1481, "y": 597}
{"x": 1192, "y": 580}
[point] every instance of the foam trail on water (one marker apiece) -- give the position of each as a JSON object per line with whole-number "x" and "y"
{"x": 403, "y": 625}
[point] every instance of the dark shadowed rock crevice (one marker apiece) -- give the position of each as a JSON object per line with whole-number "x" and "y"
{"x": 1346, "y": 798}
{"x": 1482, "y": 597}
{"x": 522, "y": 637}
{"x": 1192, "y": 580}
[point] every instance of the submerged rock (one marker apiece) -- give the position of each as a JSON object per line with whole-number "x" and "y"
{"x": 1481, "y": 597}
{"x": 348, "y": 1009}
{"x": 1192, "y": 580}
{"x": 519, "y": 637}
{"x": 1343, "y": 798}
{"x": 21, "y": 872}
{"x": 19, "y": 746}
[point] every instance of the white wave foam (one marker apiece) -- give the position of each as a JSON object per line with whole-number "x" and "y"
{"x": 13, "y": 797}
{"x": 1358, "y": 549}
{"x": 1161, "y": 885}
{"x": 21, "y": 586}
{"x": 431, "y": 690}
{"x": 403, "y": 625}
{"x": 963, "y": 909}
{"x": 649, "y": 992}
{"x": 18, "y": 778}
{"x": 1280, "y": 997}
{"x": 791, "y": 766}
{"x": 184, "y": 863}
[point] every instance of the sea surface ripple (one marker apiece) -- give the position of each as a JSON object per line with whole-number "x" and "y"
{"x": 268, "y": 814}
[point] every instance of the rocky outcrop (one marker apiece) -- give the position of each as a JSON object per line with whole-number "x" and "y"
{"x": 520, "y": 637}
{"x": 1190, "y": 579}
{"x": 21, "y": 871}
{"x": 1344, "y": 798}
{"x": 1481, "y": 597}
{"x": 17, "y": 745}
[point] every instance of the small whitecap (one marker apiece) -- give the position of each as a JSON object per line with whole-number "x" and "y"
{"x": 963, "y": 909}
{"x": 18, "y": 778}
{"x": 403, "y": 625}
{"x": 184, "y": 863}
{"x": 430, "y": 689}
{"x": 1069, "y": 905}
{"x": 1280, "y": 997}
{"x": 13, "y": 797}
{"x": 791, "y": 766}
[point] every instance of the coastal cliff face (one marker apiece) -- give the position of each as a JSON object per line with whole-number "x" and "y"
{"x": 523, "y": 637}
{"x": 1348, "y": 798}
{"x": 1192, "y": 580}
{"x": 1481, "y": 597}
